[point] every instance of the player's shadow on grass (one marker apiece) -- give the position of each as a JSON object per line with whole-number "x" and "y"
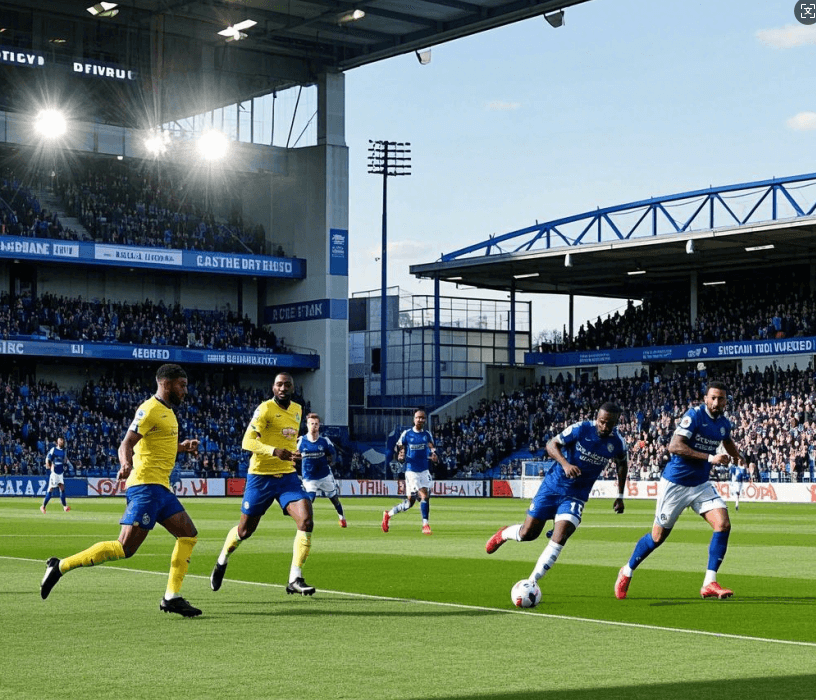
{"x": 741, "y": 601}
{"x": 326, "y": 606}
{"x": 782, "y": 687}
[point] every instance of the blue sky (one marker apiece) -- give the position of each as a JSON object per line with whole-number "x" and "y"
{"x": 630, "y": 99}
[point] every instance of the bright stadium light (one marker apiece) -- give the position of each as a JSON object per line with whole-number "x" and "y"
{"x": 755, "y": 248}
{"x": 235, "y": 31}
{"x": 103, "y": 9}
{"x": 50, "y": 123}
{"x": 350, "y": 16}
{"x": 156, "y": 143}
{"x": 212, "y": 145}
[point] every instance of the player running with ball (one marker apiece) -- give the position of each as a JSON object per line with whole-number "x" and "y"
{"x": 581, "y": 452}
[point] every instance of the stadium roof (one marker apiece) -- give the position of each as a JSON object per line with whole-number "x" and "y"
{"x": 291, "y": 43}
{"x": 713, "y": 237}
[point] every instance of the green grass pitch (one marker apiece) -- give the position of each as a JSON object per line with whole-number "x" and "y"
{"x": 406, "y": 616}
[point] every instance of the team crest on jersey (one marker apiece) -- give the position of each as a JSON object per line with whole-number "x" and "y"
{"x": 686, "y": 422}
{"x": 722, "y": 431}
{"x": 289, "y": 432}
{"x": 609, "y": 448}
{"x": 146, "y": 519}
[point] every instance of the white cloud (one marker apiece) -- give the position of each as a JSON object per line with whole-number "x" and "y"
{"x": 788, "y": 36}
{"x": 500, "y": 106}
{"x": 804, "y": 121}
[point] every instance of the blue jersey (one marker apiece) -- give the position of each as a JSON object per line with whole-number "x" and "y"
{"x": 315, "y": 463}
{"x": 57, "y": 457}
{"x": 703, "y": 434}
{"x": 738, "y": 473}
{"x": 582, "y": 446}
{"x": 417, "y": 446}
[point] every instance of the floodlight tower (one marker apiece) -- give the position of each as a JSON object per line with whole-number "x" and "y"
{"x": 389, "y": 159}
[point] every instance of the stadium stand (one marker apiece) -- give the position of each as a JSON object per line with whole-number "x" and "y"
{"x": 146, "y": 323}
{"x": 122, "y": 203}
{"x": 769, "y": 307}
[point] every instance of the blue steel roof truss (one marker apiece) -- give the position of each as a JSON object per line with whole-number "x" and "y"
{"x": 552, "y": 234}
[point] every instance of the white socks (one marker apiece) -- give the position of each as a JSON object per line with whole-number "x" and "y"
{"x": 546, "y": 560}
{"x": 512, "y": 532}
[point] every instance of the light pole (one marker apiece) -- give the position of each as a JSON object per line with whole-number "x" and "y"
{"x": 389, "y": 159}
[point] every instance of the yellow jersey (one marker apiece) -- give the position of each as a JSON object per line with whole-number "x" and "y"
{"x": 272, "y": 426}
{"x": 155, "y": 454}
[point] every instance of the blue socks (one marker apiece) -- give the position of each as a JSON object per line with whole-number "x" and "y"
{"x": 62, "y": 498}
{"x": 645, "y": 546}
{"x": 47, "y": 498}
{"x": 425, "y": 507}
{"x": 716, "y": 550}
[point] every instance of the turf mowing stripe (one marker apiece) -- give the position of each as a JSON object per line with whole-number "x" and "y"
{"x": 460, "y": 606}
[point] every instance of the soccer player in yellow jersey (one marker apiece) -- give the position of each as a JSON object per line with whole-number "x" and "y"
{"x": 272, "y": 438}
{"x": 146, "y": 458}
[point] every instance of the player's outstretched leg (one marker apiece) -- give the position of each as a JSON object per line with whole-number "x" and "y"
{"x": 501, "y": 536}
{"x": 52, "y": 575}
{"x": 230, "y": 545}
{"x": 300, "y": 550}
{"x": 178, "y": 606}
{"x": 644, "y": 547}
{"x": 425, "y": 507}
{"x": 339, "y": 508}
{"x": 716, "y": 554}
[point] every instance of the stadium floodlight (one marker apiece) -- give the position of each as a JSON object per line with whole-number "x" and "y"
{"x": 754, "y": 248}
{"x": 525, "y": 275}
{"x": 235, "y": 31}
{"x": 713, "y": 284}
{"x": 350, "y": 16}
{"x": 636, "y": 272}
{"x": 156, "y": 143}
{"x": 50, "y": 123}
{"x": 689, "y": 247}
{"x": 555, "y": 19}
{"x": 424, "y": 57}
{"x": 568, "y": 260}
{"x": 212, "y": 145}
{"x": 104, "y": 9}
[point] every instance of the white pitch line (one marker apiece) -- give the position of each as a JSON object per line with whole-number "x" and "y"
{"x": 478, "y": 608}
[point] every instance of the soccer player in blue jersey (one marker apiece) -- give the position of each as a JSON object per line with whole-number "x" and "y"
{"x": 685, "y": 482}
{"x": 415, "y": 448}
{"x": 271, "y": 437}
{"x": 56, "y": 460}
{"x": 580, "y": 453}
{"x": 317, "y": 455}
{"x": 739, "y": 475}
{"x": 147, "y": 456}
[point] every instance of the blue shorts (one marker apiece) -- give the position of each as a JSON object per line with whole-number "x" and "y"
{"x": 262, "y": 489}
{"x": 547, "y": 505}
{"x": 148, "y": 504}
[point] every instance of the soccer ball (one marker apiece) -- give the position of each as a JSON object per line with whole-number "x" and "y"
{"x": 525, "y": 594}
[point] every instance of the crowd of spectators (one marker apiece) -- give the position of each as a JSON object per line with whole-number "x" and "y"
{"x": 119, "y": 204}
{"x": 145, "y": 323}
{"x": 769, "y": 307}
{"x": 95, "y": 419}
{"x": 772, "y": 412}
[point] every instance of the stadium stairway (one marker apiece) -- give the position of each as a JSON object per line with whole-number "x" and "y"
{"x": 49, "y": 202}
